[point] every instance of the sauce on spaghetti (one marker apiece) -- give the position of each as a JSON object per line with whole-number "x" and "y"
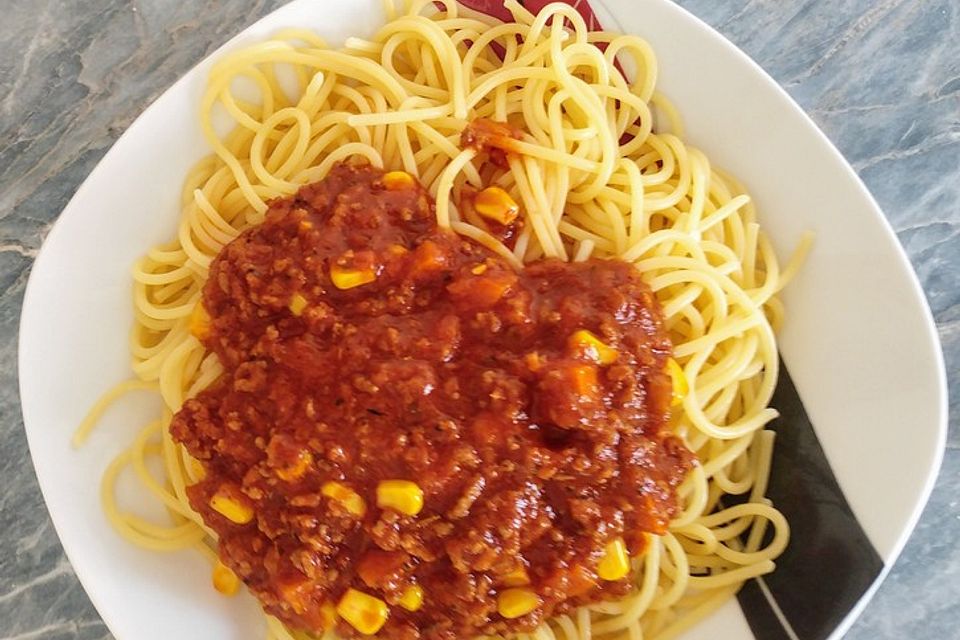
{"x": 363, "y": 346}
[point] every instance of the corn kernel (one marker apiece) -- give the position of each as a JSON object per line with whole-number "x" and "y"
{"x": 328, "y": 615}
{"x": 225, "y": 580}
{"x": 200, "y": 322}
{"x": 679, "y": 380}
{"x": 616, "y": 562}
{"x": 297, "y": 468}
{"x": 412, "y": 598}
{"x": 397, "y": 180}
{"x": 350, "y": 499}
{"x": 483, "y": 291}
{"x": 479, "y": 269}
{"x": 401, "y": 495}
{"x": 517, "y": 578}
{"x": 297, "y": 304}
{"x": 514, "y": 603}
{"x": 363, "y": 612}
{"x": 496, "y": 204}
{"x": 233, "y": 509}
{"x": 587, "y": 343}
{"x": 344, "y": 278}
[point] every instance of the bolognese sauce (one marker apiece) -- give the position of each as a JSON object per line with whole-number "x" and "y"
{"x": 412, "y": 439}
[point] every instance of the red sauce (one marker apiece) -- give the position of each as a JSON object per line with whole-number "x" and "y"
{"x": 496, "y": 138}
{"x": 448, "y": 369}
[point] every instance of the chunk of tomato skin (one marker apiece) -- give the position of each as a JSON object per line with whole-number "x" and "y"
{"x": 488, "y": 429}
{"x": 428, "y": 258}
{"x": 378, "y": 569}
{"x": 284, "y": 452}
{"x": 584, "y": 380}
{"x": 661, "y": 394}
{"x": 295, "y": 590}
{"x": 637, "y": 542}
{"x": 580, "y": 580}
{"x": 483, "y": 291}
{"x": 568, "y": 394}
{"x": 574, "y": 580}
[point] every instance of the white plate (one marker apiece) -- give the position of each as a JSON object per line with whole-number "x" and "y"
{"x": 859, "y": 342}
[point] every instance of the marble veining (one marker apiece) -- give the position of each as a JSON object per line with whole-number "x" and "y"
{"x": 881, "y": 77}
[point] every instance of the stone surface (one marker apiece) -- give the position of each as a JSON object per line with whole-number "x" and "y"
{"x": 881, "y": 77}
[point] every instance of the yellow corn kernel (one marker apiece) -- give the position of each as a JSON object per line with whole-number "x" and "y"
{"x": 680, "y": 387}
{"x": 297, "y": 304}
{"x": 514, "y": 603}
{"x": 200, "y": 322}
{"x": 328, "y": 615}
{"x": 225, "y": 580}
{"x": 412, "y": 598}
{"x": 397, "y": 180}
{"x": 616, "y": 561}
{"x": 350, "y": 499}
{"x": 363, "y": 612}
{"x": 231, "y": 508}
{"x": 299, "y": 467}
{"x": 590, "y": 345}
{"x": 401, "y": 495}
{"x": 479, "y": 269}
{"x": 344, "y": 278}
{"x": 496, "y": 204}
{"x": 517, "y": 578}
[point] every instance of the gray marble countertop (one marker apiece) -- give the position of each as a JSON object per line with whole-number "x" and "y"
{"x": 881, "y": 77}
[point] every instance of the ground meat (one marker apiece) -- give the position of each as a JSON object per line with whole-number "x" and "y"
{"x": 443, "y": 367}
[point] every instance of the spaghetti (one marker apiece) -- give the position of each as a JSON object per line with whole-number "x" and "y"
{"x": 593, "y": 179}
